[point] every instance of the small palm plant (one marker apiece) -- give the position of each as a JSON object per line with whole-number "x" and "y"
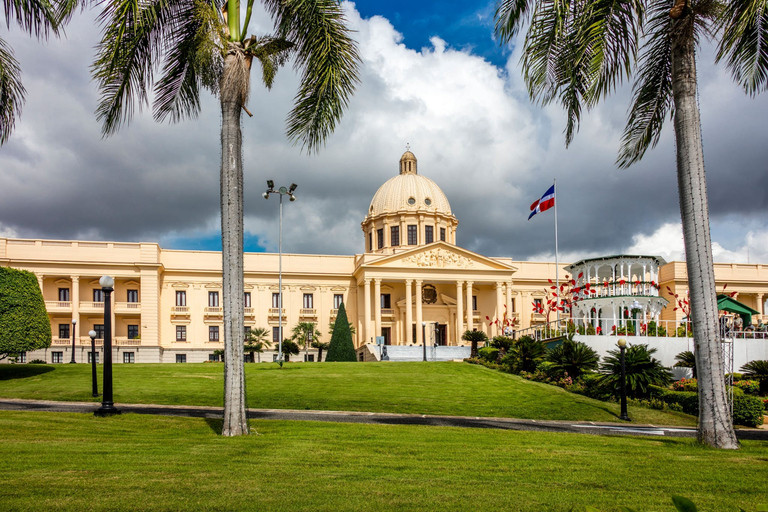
{"x": 474, "y": 337}
{"x": 255, "y": 342}
{"x": 320, "y": 346}
{"x": 525, "y": 354}
{"x": 686, "y": 359}
{"x": 757, "y": 370}
{"x": 641, "y": 368}
{"x": 573, "y": 358}
{"x": 304, "y": 333}
{"x": 290, "y": 347}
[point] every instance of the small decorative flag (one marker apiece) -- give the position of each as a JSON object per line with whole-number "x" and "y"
{"x": 546, "y": 202}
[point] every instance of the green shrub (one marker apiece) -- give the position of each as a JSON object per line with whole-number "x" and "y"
{"x": 474, "y": 337}
{"x": 502, "y": 342}
{"x": 757, "y": 370}
{"x": 686, "y": 359}
{"x": 655, "y": 330}
{"x": 642, "y": 370}
{"x": 750, "y": 387}
{"x": 686, "y": 385}
{"x": 341, "y": 347}
{"x": 594, "y": 387}
{"x": 24, "y": 324}
{"x": 573, "y": 357}
{"x": 37, "y": 361}
{"x": 524, "y": 355}
{"x": 489, "y": 354}
{"x": 688, "y": 400}
{"x": 748, "y": 411}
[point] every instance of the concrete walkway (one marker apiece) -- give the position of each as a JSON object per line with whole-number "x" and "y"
{"x": 9, "y": 404}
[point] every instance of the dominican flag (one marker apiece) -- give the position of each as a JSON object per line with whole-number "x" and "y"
{"x": 546, "y": 202}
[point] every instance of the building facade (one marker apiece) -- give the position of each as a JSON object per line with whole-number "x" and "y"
{"x": 412, "y": 281}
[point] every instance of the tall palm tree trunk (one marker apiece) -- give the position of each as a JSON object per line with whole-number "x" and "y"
{"x": 715, "y": 423}
{"x": 235, "y": 419}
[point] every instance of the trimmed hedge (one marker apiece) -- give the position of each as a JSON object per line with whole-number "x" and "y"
{"x": 24, "y": 324}
{"x": 341, "y": 347}
{"x": 747, "y": 410}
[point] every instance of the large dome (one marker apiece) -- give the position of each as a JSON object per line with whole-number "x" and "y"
{"x": 409, "y": 192}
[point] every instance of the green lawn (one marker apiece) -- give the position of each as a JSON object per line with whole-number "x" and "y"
{"x": 57, "y": 461}
{"x": 423, "y": 388}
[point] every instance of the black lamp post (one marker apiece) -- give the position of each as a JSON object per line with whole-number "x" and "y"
{"x": 107, "y": 405}
{"x": 424, "y": 338}
{"x": 94, "y": 382}
{"x": 74, "y": 325}
{"x": 622, "y": 347}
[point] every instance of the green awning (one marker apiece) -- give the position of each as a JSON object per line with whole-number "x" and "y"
{"x": 731, "y": 305}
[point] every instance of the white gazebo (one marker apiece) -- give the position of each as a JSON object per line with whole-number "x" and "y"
{"x": 614, "y": 292}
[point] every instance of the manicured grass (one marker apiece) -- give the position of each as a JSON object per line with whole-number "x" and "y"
{"x": 56, "y": 461}
{"x": 422, "y": 388}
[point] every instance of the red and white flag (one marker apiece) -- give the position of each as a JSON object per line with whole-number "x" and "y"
{"x": 546, "y": 202}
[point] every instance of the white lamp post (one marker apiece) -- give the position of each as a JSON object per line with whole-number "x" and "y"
{"x": 289, "y": 192}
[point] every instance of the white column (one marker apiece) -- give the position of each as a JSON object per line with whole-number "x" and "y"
{"x": 760, "y": 305}
{"x": 408, "y": 312}
{"x": 419, "y": 315}
{"x": 498, "y": 329}
{"x": 459, "y": 310}
{"x": 510, "y": 315}
{"x": 470, "y": 308}
{"x": 377, "y": 305}
{"x": 40, "y": 282}
{"x": 367, "y": 311}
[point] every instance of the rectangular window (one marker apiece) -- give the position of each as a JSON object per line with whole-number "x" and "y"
{"x": 276, "y": 300}
{"x": 213, "y": 333}
{"x": 370, "y": 241}
{"x": 275, "y": 335}
{"x": 380, "y": 238}
{"x": 474, "y": 303}
{"x": 181, "y": 358}
{"x": 98, "y": 295}
{"x": 247, "y": 300}
{"x": 133, "y": 296}
{"x": 394, "y": 235}
{"x": 429, "y": 234}
{"x": 133, "y": 332}
{"x": 213, "y": 357}
{"x": 22, "y": 357}
{"x": 57, "y": 357}
{"x": 274, "y": 358}
{"x": 247, "y": 332}
{"x": 413, "y": 238}
{"x": 338, "y": 300}
{"x": 91, "y": 356}
{"x": 386, "y": 302}
{"x": 63, "y": 294}
{"x": 442, "y": 234}
{"x": 538, "y": 304}
{"x": 309, "y": 358}
{"x": 181, "y": 298}
{"x": 128, "y": 357}
{"x": 64, "y": 331}
{"x": 181, "y": 333}
{"x": 213, "y": 299}
{"x": 99, "y": 328}
{"x": 309, "y": 301}
{"x": 513, "y": 306}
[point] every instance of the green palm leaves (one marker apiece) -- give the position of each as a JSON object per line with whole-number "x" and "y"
{"x": 744, "y": 44}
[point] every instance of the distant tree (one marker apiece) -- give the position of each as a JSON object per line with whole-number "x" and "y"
{"x": 256, "y": 341}
{"x": 24, "y": 324}
{"x": 573, "y": 357}
{"x": 290, "y": 347}
{"x": 474, "y": 337}
{"x": 686, "y": 359}
{"x": 757, "y": 370}
{"x": 641, "y": 368}
{"x": 320, "y": 346}
{"x": 525, "y": 353}
{"x": 341, "y": 347}
{"x": 304, "y": 333}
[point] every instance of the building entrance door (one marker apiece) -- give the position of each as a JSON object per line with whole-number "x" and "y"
{"x": 442, "y": 334}
{"x": 387, "y": 333}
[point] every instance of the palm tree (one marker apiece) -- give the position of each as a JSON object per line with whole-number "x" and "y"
{"x": 641, "y": 370}
{"x": 256, "y": 340}
{"x": 199, "y": 45}
{"x": 577, "y": 52}
{"x": 757, "y": 370}
{"x": 38, "y": 18}
{"x": 686, "y": 359}
{"x": 526, "y": 353}
{"x": 573, "y": 357}
{"x": 474, "y": 337}
{"x": 320, "y": 346}
{"x": 304, "y": 333}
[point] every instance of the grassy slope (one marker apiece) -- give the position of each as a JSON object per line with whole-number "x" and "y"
{"x": 55, "y": 461}
{"x": 424, "y": 388}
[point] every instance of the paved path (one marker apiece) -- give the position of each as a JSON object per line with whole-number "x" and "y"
{"x": 380, "y": 419}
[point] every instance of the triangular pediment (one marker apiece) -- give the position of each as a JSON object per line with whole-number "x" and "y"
{"x": 440, "y": 255}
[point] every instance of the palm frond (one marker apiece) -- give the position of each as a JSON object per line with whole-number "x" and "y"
{"x": 12, "y": 91}
{"x": 510, "y": 16}
{"x": 652, "y": 91}
{"x": 328, "y": 59}
{"x": 193, "y": 59}
{"x": 545, "y": 44}
{"x": 272, "y": 53}
{"x": 744, "y": 43}
{"x": 37, "y": 17}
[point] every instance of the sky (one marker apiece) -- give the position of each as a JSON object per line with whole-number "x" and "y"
{"x": 432, "y": 76}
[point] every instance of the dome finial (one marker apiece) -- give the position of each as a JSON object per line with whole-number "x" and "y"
{"x": 407, "y": 146}
{"x": 408, "y": 161}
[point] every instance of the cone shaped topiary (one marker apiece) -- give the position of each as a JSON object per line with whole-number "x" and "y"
{"x": 24, "y": 324}
{"x": 341, "y": 347}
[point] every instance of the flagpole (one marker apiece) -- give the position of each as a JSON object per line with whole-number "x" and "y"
{"x": 557, "y": 265}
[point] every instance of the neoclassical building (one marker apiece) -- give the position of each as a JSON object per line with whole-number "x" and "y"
{"x": 411, "y": 281}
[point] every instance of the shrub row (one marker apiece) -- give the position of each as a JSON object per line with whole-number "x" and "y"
{"x": 747, "y": 410}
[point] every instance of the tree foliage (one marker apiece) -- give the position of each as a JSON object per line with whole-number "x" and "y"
{"x": 474, "y": 337}
{"x": 24, "y": 324}
{"x": 573, "y": 357}
{"x": 686, "y": 359}
{"x": 641, "y": 368}
{"x": 525, "y": 354}
{"x": 757, "y": 370}
{"x": 341, "y": 347}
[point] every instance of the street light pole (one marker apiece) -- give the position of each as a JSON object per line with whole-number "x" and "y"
{"x": 107, "y": 405}
{"x": 424, "y": 338}
{"x": 94, "y": 382}
{"x": 622, "y": 347}
{"x": 289, "y": 192}
{"x": 74, "y": 326}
